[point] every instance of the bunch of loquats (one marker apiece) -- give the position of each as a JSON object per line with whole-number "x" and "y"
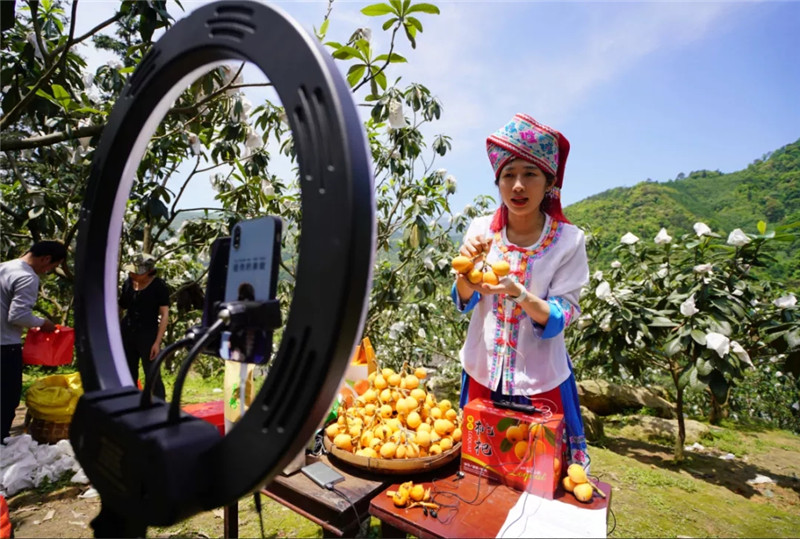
{"x": 578, "y": 483}
{"x": 395, "y": 417}
{"x": 411, "y": 495}
{"x": 478, "y": 271}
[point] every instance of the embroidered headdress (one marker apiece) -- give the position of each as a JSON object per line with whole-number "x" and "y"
{"x": 525, "y": 138}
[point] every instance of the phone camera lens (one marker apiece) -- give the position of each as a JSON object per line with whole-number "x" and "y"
{"x": 237, "y": 237}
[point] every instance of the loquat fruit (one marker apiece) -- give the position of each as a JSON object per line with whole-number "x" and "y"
{"x": 388, "y": 450}
{"x": 583, "y": 492}
{"x": 462, "y": 264}
{"x": 501, "y": 268}
{"x": 490, "y": 278}
{"x": 569, "y": 486}
{"x": 422, "y": 438}
{"x": 577, "y": 474}
{"x": 417, "y": 493}
{"x": 343, "y": 442}
{"x": 332, "y": 430}
{"x": 475, "y": 276}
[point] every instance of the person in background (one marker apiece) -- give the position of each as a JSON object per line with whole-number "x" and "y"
{"x": 514, "y": 349}
{"x": 145, "y": 300}
{"x": 19, "y": 288}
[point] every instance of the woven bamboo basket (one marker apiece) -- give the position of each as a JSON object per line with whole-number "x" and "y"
{"x": 393, "y": 466}
{"x": 46, "y": 432}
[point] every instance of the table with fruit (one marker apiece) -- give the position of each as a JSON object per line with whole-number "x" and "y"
{"x": 394, "y": 428}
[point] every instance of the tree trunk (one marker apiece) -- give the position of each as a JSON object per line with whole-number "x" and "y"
{"x": 718, "y": 411}
{"x": 681, "y": 439}
{"x": 147, "y": 240}
{"x": 715, "y": 411}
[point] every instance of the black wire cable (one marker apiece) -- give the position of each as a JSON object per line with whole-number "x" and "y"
{"x": 175, "y": 404}
{"x": 319, "y": 445}
{"x": 343, "y": 495}
{"x": 611, "y": 511}
{"x": 455, "y": 495}
{"x": 155, "y": 370}
{"x": 527, "y": 495}
{"x": 503, "y": 531}
{"x": 477, "y": 495}
{"x": 257, "y": 502}
{"x": 614, "y": 527}
{"x": 478, "y": 491}
{"x": 459, "y": 499}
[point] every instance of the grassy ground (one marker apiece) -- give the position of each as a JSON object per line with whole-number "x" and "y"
{"x": 196, "y": 388}
{"x": 278, "y": 522}
{"x": 706, "y": 495}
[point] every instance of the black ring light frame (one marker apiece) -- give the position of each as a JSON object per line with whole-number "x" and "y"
{"x": 329, "y": 305}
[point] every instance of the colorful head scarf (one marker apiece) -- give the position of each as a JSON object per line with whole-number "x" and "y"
{"x": 525, "y": 138}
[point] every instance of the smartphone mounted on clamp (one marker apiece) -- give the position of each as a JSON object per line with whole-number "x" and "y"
{"x": 252, "y": 275}
{"x": 243, "y": 267}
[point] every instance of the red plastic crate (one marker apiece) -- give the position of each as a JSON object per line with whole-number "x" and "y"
{"x": 213, "y": 412}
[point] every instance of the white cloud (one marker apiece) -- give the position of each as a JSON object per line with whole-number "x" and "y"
{"x": 481, "y": 58}
{"x": 487, "y": 60}
{"x": 614, "y": 39}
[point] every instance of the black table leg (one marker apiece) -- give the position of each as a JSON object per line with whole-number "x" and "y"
{"x": 109, "y": 523}
{"x": 387, "y": 530}
{"x": 231, "y": 521}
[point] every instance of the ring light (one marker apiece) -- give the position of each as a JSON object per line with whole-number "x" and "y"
{"x": 327, "y": 311}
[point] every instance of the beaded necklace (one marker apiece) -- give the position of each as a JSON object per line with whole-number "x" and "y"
{"x": 507, "y": 325}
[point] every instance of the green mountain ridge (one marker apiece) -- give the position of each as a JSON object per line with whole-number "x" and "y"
{"x": 767, "y": 190}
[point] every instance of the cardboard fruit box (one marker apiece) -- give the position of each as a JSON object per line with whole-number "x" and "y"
{"x": 361, "y": 365}
{"x": 524, "y": 451}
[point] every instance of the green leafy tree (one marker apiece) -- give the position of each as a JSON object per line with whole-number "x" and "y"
{"x": 690, "y": 309}
{"x": 54, "y": 111}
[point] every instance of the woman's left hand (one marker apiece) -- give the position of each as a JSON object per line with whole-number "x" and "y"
{"x": 154, "y": 350}
{"x": 505, "y": 286}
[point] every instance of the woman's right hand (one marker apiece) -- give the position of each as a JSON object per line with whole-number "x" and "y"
{"x": 475, "y": 246}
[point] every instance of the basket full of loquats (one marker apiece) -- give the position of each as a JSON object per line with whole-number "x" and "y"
{"x": 394, "y": 425}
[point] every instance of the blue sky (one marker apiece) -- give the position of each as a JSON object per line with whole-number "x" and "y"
{"x": 641, "y": 89}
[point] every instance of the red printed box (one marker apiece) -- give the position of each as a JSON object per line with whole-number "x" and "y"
{"x": 524, "y": 451}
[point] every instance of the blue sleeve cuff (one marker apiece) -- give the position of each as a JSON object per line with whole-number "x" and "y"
{"x": 555, "y": 323}
{"x": 460, "y": 305}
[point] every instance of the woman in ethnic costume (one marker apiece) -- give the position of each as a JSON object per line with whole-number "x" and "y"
{"x": 515, "y": 348}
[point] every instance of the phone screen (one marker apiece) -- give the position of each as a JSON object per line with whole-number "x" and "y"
{"x": 252, "y": 275}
